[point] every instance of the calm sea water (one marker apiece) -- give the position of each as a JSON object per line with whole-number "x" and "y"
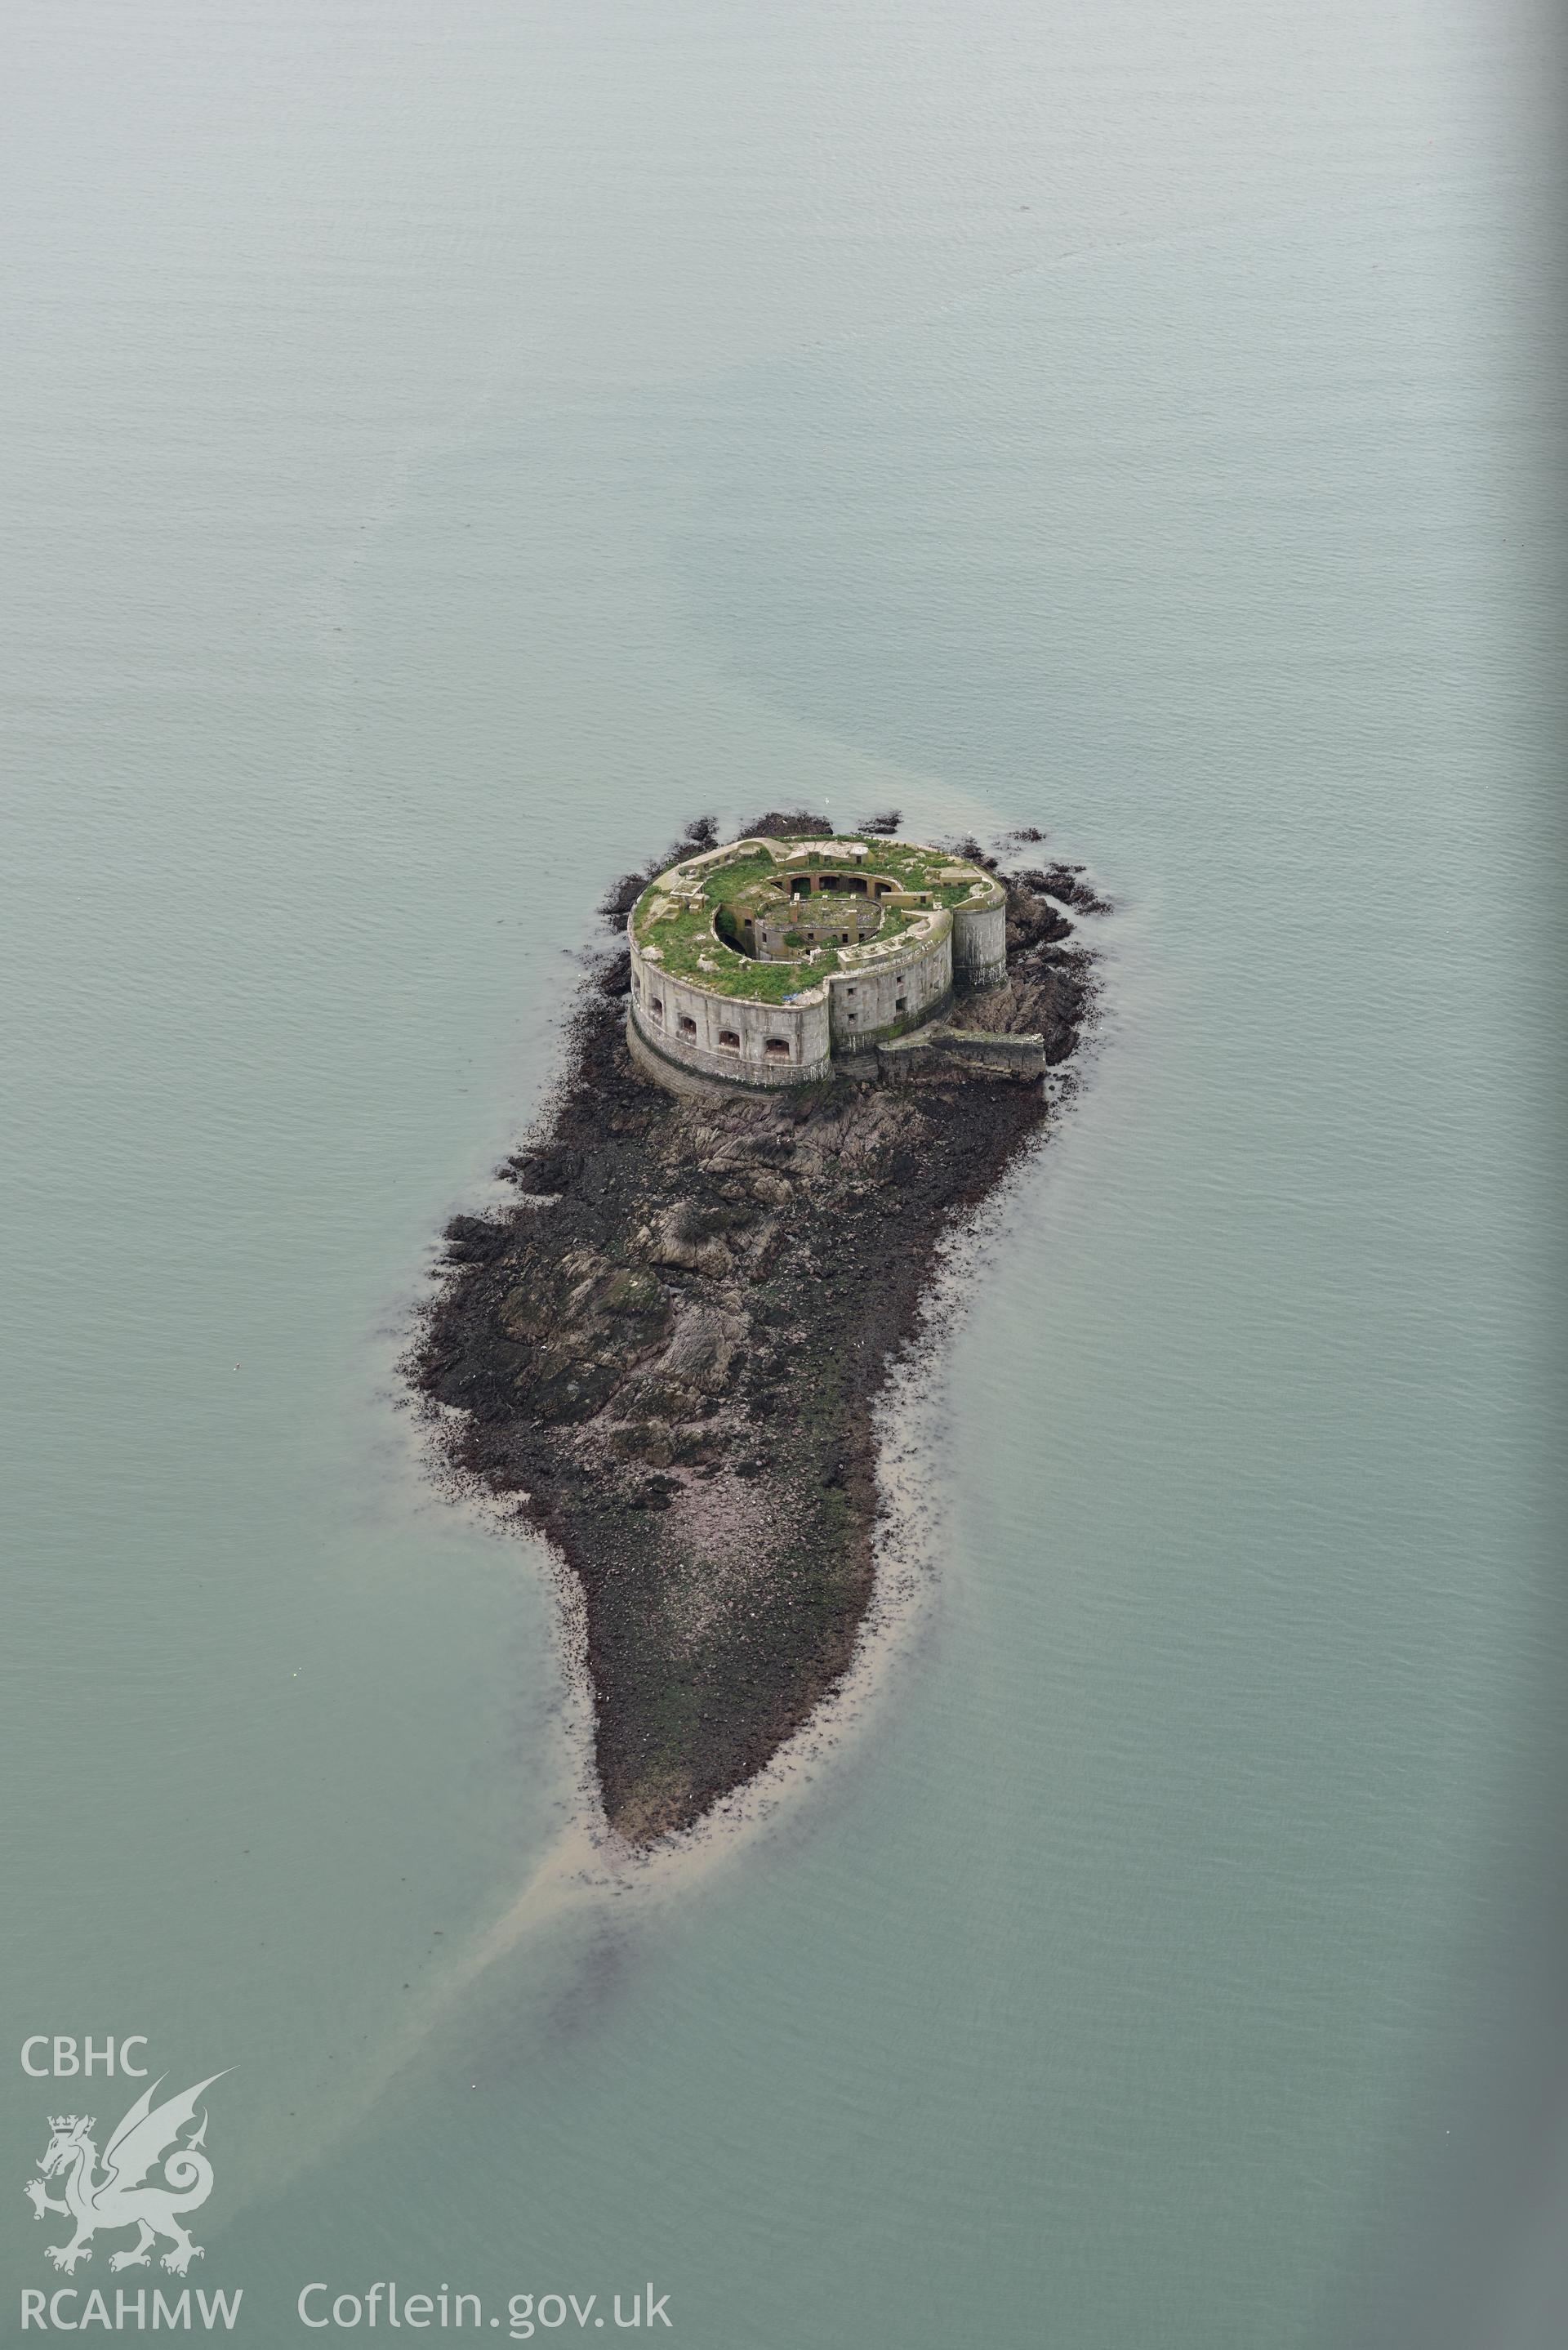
{"x": 444, "y": 449}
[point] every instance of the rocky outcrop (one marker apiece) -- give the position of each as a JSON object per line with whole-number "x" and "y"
{"x": 669, "y": 1351}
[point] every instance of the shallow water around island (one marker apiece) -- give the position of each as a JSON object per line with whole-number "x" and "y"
{"x": 446, "y": 451}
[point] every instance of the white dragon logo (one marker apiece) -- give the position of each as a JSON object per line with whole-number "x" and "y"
{"x": 123, "y": 2196}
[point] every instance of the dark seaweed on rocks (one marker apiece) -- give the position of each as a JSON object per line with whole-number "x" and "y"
{"x": 669, "y": 1351}
{"x": 787, "y": 824}
{"x": 1065, "y": 883}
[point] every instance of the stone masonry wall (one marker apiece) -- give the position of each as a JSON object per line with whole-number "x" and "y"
{"x": 802, "y": 1027}
{"x": 979, "y": 943}
{"x": 878, "y": 999}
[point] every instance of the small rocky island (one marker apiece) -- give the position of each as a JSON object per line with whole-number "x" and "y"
{"x": 813, "y": 1055}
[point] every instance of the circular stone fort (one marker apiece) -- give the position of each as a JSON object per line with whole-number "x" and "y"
{"x": 778, "y": 963}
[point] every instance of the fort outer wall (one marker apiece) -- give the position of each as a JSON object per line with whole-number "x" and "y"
{"x": 846, "y": 1012}
{"x": 872, "y": 1002}
{"x": 685, "y": 1023}
{"x": 880, "y": 999}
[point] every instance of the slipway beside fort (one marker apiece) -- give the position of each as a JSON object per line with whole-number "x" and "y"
{"x": 782, "y": 962}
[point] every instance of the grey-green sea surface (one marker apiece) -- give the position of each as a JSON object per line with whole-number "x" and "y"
{"x": 446, "y": 447}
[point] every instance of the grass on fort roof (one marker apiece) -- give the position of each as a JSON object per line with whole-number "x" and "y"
{"x": 684, "y": 939}
{"x": 736, "y": 975}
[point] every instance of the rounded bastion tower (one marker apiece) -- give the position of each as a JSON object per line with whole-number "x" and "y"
{"x": 768, "y": 961}
{"x": 980, "y": 942}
